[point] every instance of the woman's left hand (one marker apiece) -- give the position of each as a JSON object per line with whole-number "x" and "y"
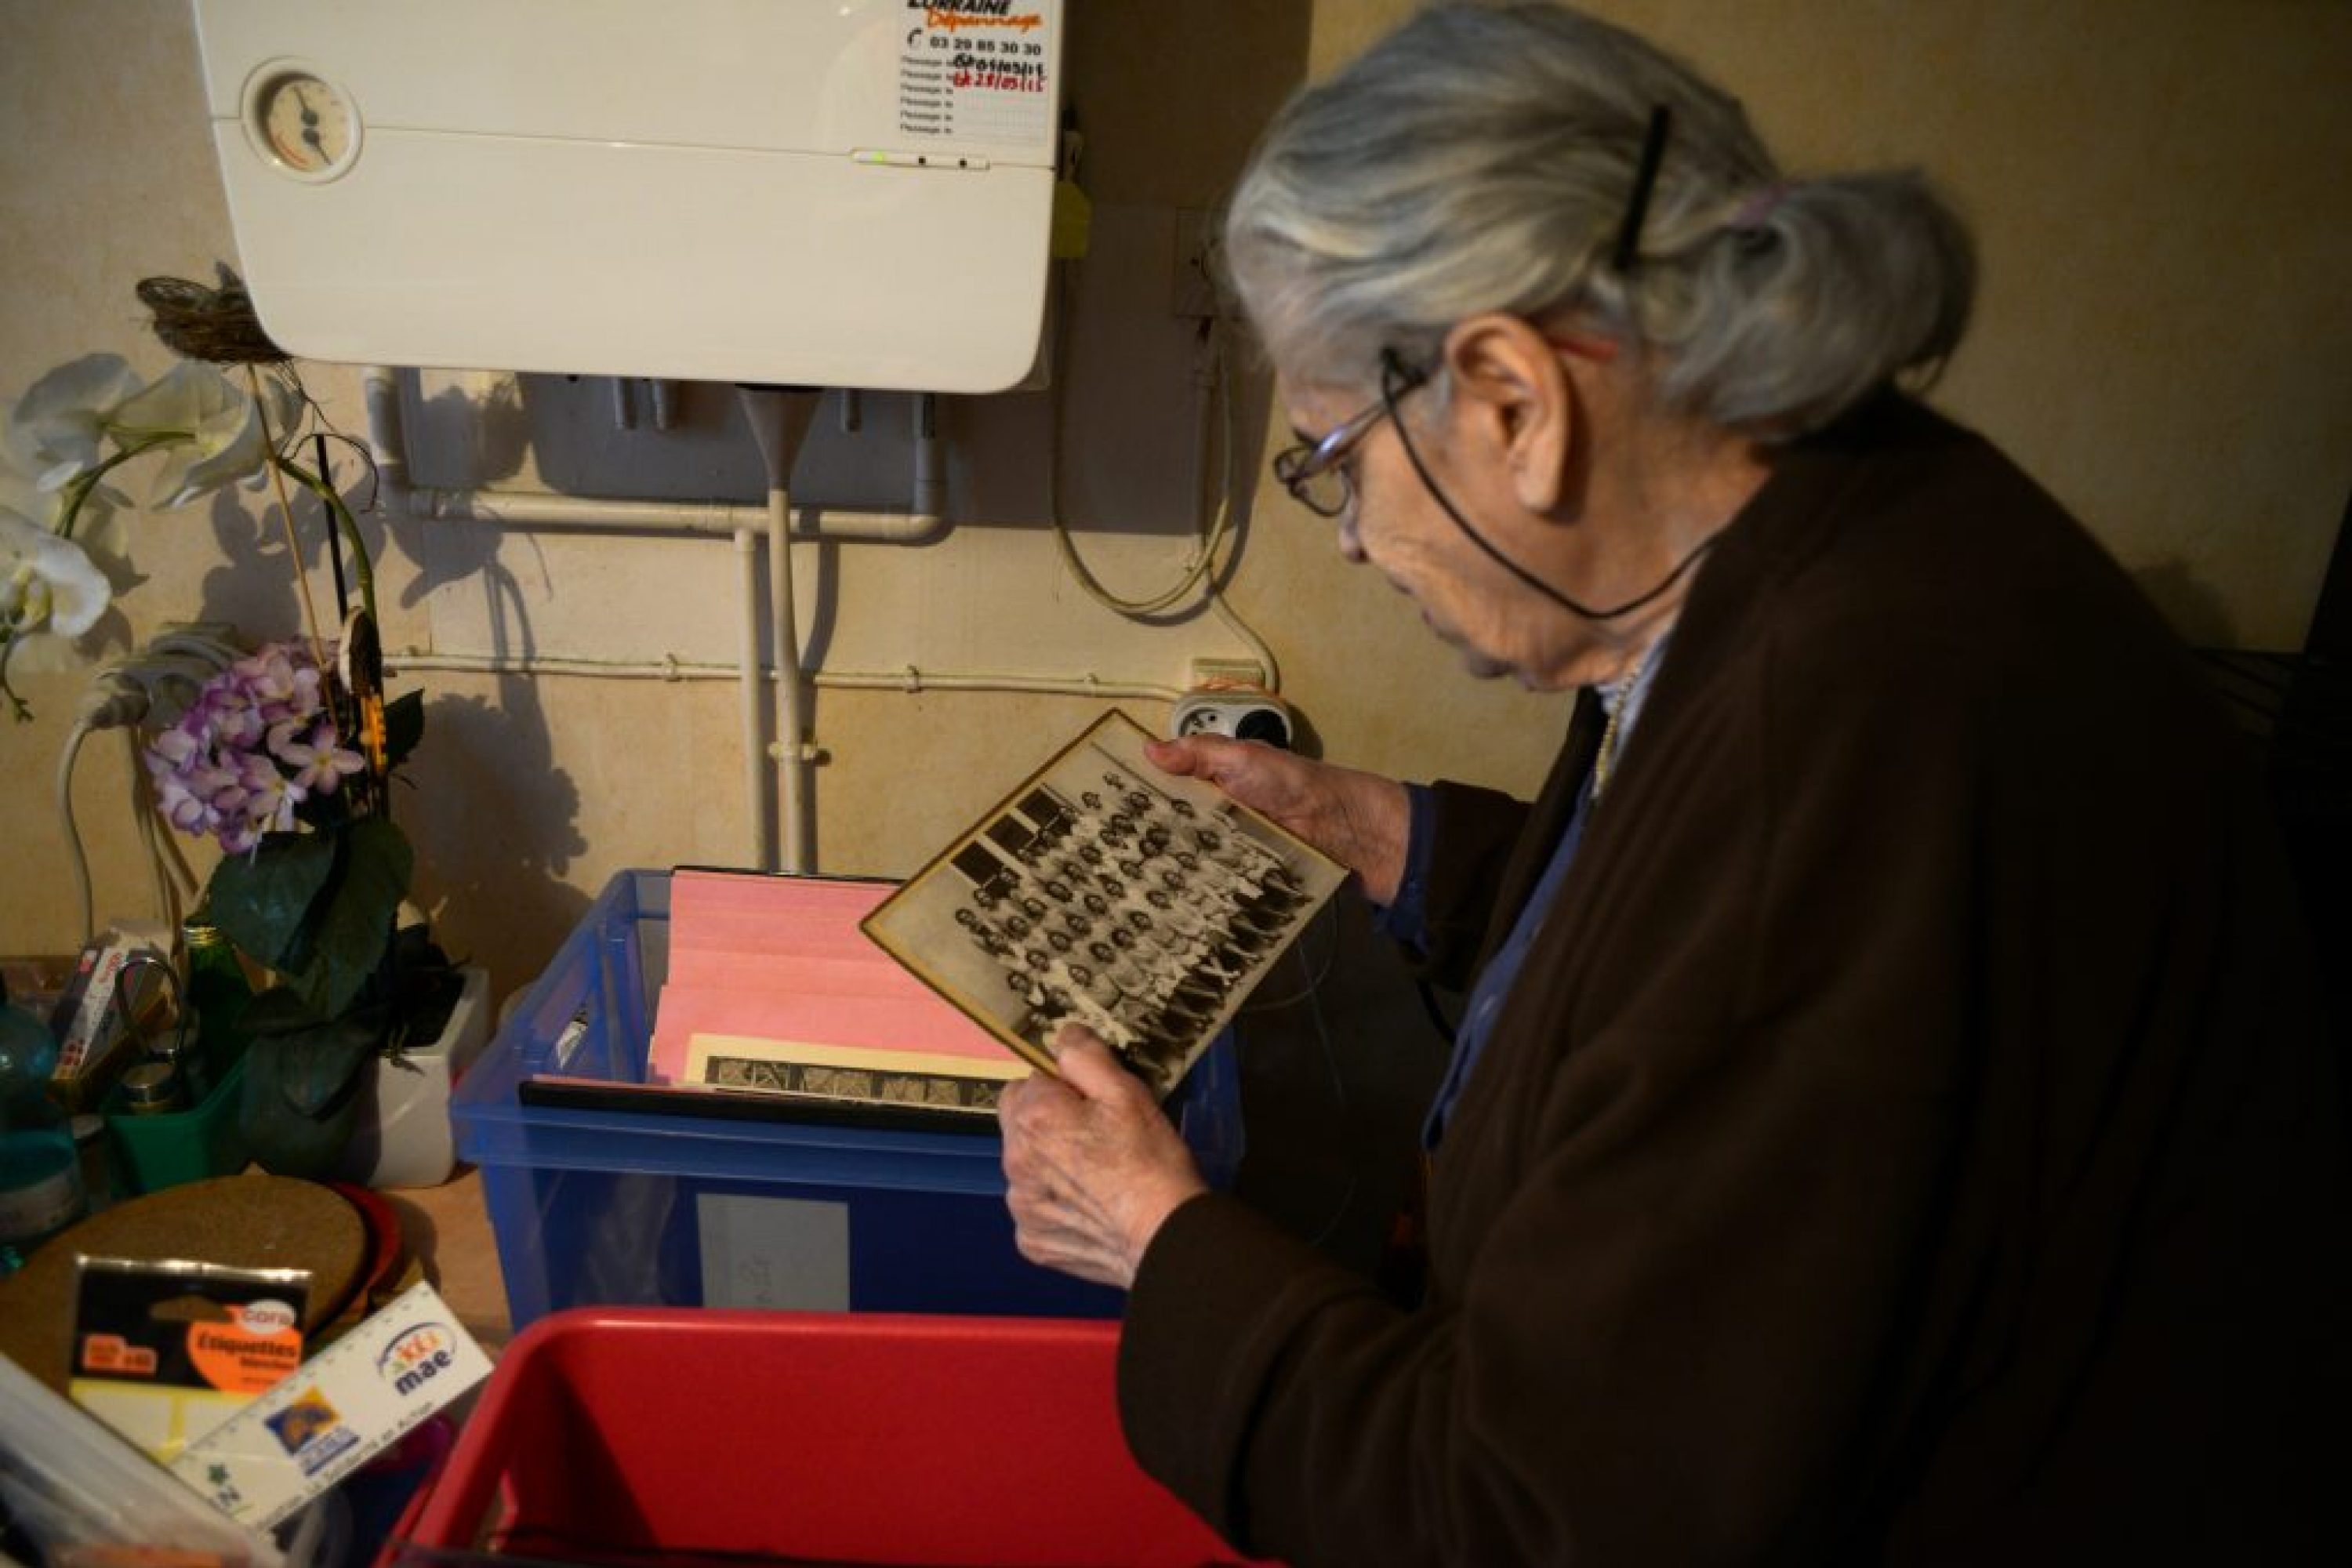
{"x": 1092, "y": 1167}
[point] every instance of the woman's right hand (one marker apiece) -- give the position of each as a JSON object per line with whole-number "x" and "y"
{"x": 1362, "y": 820}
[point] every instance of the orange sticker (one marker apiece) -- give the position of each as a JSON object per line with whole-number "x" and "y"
{"x": 236, "y": 1359}
{"x": 115, "y": 1356}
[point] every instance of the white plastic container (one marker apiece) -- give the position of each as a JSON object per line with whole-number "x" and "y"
{"x": 403, "y": 1137}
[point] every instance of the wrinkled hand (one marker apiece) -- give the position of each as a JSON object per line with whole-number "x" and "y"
{"x": 1362, "y": 820}
{"x": 1091, "y": 1164}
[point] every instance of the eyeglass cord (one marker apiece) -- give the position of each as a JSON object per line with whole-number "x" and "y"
{"x": 1395, "y": 377}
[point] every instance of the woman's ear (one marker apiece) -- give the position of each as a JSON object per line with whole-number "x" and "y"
{"x": 1508, "y": 380}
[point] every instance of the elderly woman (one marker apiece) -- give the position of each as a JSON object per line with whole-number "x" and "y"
{"x": 1887, "y": 1123}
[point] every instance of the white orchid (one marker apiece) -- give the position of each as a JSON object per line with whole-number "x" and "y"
{"x": 46, "y": 583}
{"x": 210, "y": 431}
{"x": 62, "y": 561}
{"x": 50, "y": 593}
{"x": 54, "y": 434}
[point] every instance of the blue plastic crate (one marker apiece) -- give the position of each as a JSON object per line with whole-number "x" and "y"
{"x": 630, "y": 1208}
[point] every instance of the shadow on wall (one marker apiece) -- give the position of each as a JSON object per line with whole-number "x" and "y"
{"x": 2187, "y": 604}
{"x": 496, "y": 821}
{"x": 482, "y": 441}
{"x": 496, "y": 826}
{"x": 251, "y": 588}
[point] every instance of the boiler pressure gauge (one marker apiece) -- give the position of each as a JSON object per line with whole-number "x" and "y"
{"x": 300, "y": 121}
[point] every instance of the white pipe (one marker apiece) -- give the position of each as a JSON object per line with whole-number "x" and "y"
{"x": 748, "y": 675}
{"x": 930, "y": 468}
{"x": 590, "y": 514}
{"x": 387, "y": 443}
{"x": 387, "y": 440}
{"x": 790, "y": 749}
{"x": 780, "y": 420}
{"x": 911, "y": 680}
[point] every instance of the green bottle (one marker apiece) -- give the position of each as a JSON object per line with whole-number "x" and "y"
{"x": 218, "y": 993}
{"x": 40, "y": 1170}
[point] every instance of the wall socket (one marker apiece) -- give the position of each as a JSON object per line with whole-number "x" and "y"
{"x": 1192, "y": 283}
{"x": 1235, "y": 714}
{"x": 1227, "y": 673}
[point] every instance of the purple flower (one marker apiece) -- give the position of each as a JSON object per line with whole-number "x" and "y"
{"x": 318, "y": 764}
{"x": 256, "y": 744}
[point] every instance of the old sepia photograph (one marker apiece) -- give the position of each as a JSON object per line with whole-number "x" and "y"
{"x": 1105, "y": 892}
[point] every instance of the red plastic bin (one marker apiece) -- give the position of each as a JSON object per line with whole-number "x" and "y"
{"x": 614, "y": 1434}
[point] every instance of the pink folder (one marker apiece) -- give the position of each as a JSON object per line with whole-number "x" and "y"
{"x": 782, "y": 959}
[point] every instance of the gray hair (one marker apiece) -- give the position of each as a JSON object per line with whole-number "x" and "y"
{"x": 1482, "y": 157}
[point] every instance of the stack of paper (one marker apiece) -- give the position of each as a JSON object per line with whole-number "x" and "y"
{"x": 772, "y": 988}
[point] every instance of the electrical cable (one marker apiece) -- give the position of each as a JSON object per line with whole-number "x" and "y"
{"x": 1229, "y": 492}
{"x": 1311, "y": 993}
{"x": 1258, "y": 645}
{"x": 125, "y": 696}
{"x": 1203, "y": 572}
{"x": 1327, "y": 919}
{"x": 75, "y": 858}
{"x": 182, "y": 875}
{"x": 1065, "y": 314}
{"x": 1204, "y": 554}
{"x": 142, "y": 816}
{"x": 1343, "y": 1111}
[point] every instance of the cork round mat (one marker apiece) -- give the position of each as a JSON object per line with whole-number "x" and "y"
{"x": 251, "y": 1221}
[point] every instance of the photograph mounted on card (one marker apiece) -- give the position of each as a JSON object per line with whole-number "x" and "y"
{"x": 953, "y": 1086}
{"x": 1104, "y": 893}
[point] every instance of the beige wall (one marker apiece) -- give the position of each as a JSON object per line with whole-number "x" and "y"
{"x": 2157, "y": 187}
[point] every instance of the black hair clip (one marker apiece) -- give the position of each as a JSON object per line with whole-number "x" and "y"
{"x": 1397, "y": 377}
{"x": 1645, "y": 177}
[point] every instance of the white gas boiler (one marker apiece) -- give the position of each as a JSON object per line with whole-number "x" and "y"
{"x": 828, "y": 192}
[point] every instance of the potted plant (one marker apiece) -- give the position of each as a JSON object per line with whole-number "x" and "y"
{"x": 286, "y": 757}
{"x": 284, "y": 764}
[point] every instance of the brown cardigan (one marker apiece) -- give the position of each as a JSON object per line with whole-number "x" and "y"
{"x": 1908, "y": 1138}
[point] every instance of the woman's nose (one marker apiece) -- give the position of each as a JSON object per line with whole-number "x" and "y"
{"x": 1351, "y": 545}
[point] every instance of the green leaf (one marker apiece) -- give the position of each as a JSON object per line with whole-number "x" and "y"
{"x": 302, "y": 1094}
{"x": 279, "y": 1010}
{"x": 403, "y": 726}
{"x": 352, "y": 924}
{"x": 313, "y": 1067}
{"x": 262, "y": 901}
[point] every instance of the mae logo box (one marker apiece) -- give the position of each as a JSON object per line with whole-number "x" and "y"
{"x": 343, "y": 1406}
{"x": 417, "y": 1357}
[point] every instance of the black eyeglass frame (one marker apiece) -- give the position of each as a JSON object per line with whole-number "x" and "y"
{"x": 1297, "y": 467}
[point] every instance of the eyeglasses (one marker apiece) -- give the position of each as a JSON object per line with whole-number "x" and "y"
{"x": 1316, "y": 472}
